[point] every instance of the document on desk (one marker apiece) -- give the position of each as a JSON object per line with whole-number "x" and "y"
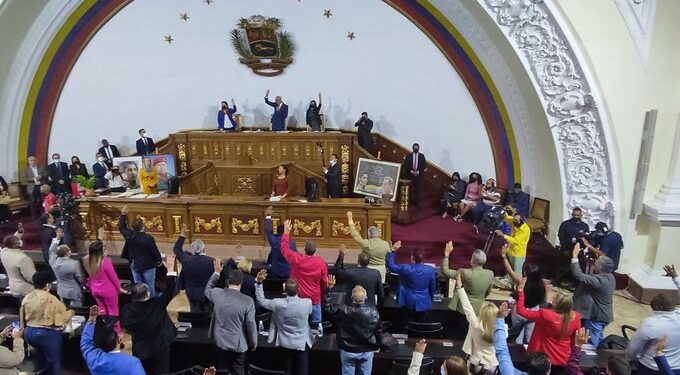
{"x": 276, "y": 198}
{"x": 139, "y": 196}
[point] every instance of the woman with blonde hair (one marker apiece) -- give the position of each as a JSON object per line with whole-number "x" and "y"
{"x": 102, "y": 280}
{"x": 554, "y": 328}
{"x": 149, "y": 176}
{"x": 478, "y": 343}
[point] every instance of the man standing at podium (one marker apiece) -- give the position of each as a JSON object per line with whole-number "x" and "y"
{"x": 280, "y": 112}
{"x": 414, "y": 166}
{"x": 333, "y": 178}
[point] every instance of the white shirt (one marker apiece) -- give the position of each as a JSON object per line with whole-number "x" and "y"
{"x": 651, "y": 329}
{"x": 116, "y": 181}
{"x": 36, "y": 176}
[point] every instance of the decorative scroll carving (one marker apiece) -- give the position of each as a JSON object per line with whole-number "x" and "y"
{"x": 295, "y": 150}
{"x": 205, "y": 151}
{"x": 261, "y": 150}
{"x": 216, "y": 150}
{"x": 238, "y": 150}
{"x": 284, "y": 150}
{"x": 344, "y": 168}
{"x": 307, "y": 228}
{"x": 342, "y": 228}
{"x": 193, "y": 149}
{"x": 227, "y": 151}
{"x": 380, "y": 224}
{"x": 201, "y": 223}
{"x": 569, "y": 101}
{"x": 243, "y": 184}
{"x": 247, "y": 226}
{"x": 155, "y": 222}
{"x": 250, "y": 150}
{"x": 272, "y": 150}
{"x": 275, "y": 223}
{"x": 109, "y": 222}
{"x": 83, "y": 220}
{"x": 182, "y": 158}
{"x": 403, "y": 207}
{"x": 177, "y": 220}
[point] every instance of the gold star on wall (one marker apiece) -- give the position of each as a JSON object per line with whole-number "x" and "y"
{"x": 184, "y": 16}
{"x": 168, "y": 39}
{"x": 327, "y": 13}
{"x": 208, "y": 1}
{"x": 350, "y": 35}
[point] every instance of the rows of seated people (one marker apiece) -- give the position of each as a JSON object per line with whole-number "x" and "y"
{"x": 553, "y": 324}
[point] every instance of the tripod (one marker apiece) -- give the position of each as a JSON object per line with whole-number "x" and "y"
{"x": 489, "y": 241}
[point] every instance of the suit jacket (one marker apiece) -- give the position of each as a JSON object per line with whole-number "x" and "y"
{"x": 279, "y": 115}
{"x": 233, "y": 325}
{"x": 99, "y": 172}
{"x": 114, "y": 151}
{"x": 593, "y": 295}
{"x": 145, "y": 149}
{"x": 408, "y": 164}
{"x": 196, "y": 271}
{"x": 54, "y": 176}
{"x": 19, "y": 269}
{"x": 477, "y": 283}
{"x": 364, "y": 134}
{"x": 27, "y": 178}
{"x": 140, "y": 248}
{"x": 417, "y": 284}
{"x": 334, "y": 181}
{"x": 69, "y": 275}
{"x": 289, "y": 326}
{"x": 369, "y": 278}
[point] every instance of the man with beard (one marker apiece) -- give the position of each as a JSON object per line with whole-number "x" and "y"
{"x": 130, "y": 170}
{"x": 572, "y": 230}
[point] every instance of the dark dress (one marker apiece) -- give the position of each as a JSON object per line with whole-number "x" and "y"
{"x": 313, "y": 117}
{"x": 78, "y": 170}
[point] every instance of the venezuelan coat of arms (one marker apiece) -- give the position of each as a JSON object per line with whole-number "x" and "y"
{"x": 262, "y": 45}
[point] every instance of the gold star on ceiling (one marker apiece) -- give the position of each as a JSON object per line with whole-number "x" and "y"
{"x": 327, "y": 13}
{"x": 184, "y": 16}
{"x": 168, "y": 39}
{"x": 350, "y": 35}
{"x": 208, "y": 1}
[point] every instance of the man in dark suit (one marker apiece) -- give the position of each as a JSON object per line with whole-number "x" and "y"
{"x": 369, "y": 278}
{"x": 109, "y": 152}
{"x": 59, "y": 175}
{"x": 32, "y": 178}
{"x": 364, "y": 126}
{"x": 233, "y": 325}
{"x": 99, "y": 170}
{"x": 414, "y": 166}
{"x": 196, "y": 271}
{"x": 333, "y": 178}
{"x": 145, "y": 145}
{"x": 48, "y": 231}
{"x": 141, "y": 250}
{"x": 280, "y": 112}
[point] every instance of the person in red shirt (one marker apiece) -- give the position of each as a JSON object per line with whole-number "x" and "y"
{"x": 309, "y": 270}
{"x": 554, "y": 329}
{"x": 49, "y": 199}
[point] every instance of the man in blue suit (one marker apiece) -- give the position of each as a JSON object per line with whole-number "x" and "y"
{"x": 280, "y": 112}
{"x": 280, "y": 269}
{"x": 145, "y": 145}
{"x": 416, "y": 284}
{"x": 196, "y": 271}
{"x": 99, "y": 170}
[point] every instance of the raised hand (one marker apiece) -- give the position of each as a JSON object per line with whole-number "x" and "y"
{"x": 60, "y": 233}
{"x": 266, "y": 94}
{"x": 520, "y": 285}
{"x": 581, "y": 337}
{"x": 209, "y": 371}
{"x": 125, "y": 210}
{"x": 670, "y": 271}
{"x": 504, "y": 250}
{"x": 396, "y": 245}
{"x": 261, "y": 276}
{"x": 503, "y": 310}
{"x": 331, "y": 282}
{"x": 576, "y": 251}
{"x": 448, "y": 249}
{"x": 420, "y": 346}
{"x": 94, "y": 313}
{"x": 287, "y": 226}
{"x": 459, "y": 280}
{"x": 217, "y": 265}
{"x": 342, "y": 250}
{"x": 183, "y": 233}
{"x": 661, "y": 345}
{"x": 350, "y": 218}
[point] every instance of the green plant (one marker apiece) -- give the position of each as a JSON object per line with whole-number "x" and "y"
{"x": 85, "y": 182}
{"x": 240, "y": 44}
{"x": 286, "y": 44}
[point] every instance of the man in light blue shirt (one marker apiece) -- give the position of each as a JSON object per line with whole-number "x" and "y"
{"x": 537, "y": 363}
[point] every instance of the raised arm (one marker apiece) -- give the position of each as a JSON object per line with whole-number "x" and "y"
{"x": 448, "y": 249}
{"x": 122, "y": 223}
{"x": 53, "y": 250}
{"x": 589, "y": 280}
{"x": 291, "y": 256}
{"x": 210, "y": 286}
{"x": 340, "y": 262}
{"x": 516, "y": 278}
{"x": 329, "y": 307}
{"x": 269, "y": 226}
{"x": 179, "y": 245}
{"x": 354, "y": 232}
{"x": 87, "y": 343}
{"x": 392, "y": 265}
{"x": 500, "y": 344}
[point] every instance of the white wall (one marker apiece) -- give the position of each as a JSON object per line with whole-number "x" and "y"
{"x": 127, "y": 78}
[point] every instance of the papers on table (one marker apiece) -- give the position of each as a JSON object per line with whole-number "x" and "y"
{"x": 275, "y": 198}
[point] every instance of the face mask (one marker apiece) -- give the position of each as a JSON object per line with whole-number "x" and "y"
{"x": 75, "y": 161}
{"x": 144, "y": 135}
{"x": 21, "y": 243}
{"x": 442, "y": 371}
{"x": 55, "y": 160}
{"x": 101, "y": 158}
{"x": 224, "y": 107}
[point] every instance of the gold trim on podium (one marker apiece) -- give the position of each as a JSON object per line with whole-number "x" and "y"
{"x": 307, "y": 228}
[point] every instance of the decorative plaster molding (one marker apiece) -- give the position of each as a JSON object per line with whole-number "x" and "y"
{"x": 569, "y": 99}
{"x": 639, "y": 17}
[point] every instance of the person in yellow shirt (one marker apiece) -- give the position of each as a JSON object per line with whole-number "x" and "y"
{"x": 149, "y": 177}
{"x": 517, "y": 240}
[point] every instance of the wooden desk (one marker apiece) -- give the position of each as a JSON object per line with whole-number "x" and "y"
{"x": 223, "y": 219}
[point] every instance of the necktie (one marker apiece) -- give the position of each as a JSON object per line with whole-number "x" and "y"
{"x": 106, "y": 168}
{"x": 108, "y": 153}
{"x": 61, "y": 175}
{"x": 415, "y": 161}
{"x": 145, "y": 144}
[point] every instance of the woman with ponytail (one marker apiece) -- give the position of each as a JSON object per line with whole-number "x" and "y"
{"x": 554, "y": 327}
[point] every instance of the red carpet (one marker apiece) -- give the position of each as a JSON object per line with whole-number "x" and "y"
{"x": 432, "y": 233}
{"x": 31, "y": 236}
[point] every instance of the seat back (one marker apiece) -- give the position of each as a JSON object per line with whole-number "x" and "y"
{"x": 400, "y": 366}
{"x": 424, "y": 330}
{"x": 256, "y": 370}
{"x": 173, "y": 185}
{"x": 540, "y": 209}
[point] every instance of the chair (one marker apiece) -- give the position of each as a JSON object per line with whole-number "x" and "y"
{"x": 16, "y": 195}
{"x": 255, "y": 370}
{"x": 173, "y": 185}
{"x": 424, "y": 330}
{"x": 196, "y": 370}
{"x": 400, "y": 366}
{"x": 195, "y": 318}
{"x": 539, "y": 215}
{"x": 616, "y": 341}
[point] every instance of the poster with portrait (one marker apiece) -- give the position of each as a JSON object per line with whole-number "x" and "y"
{"x": 129, "y": 168}
{"x": 375, "y": 178}
{"x": 165, "y": 166}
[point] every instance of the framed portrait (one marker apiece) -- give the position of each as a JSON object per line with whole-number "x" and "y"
{"x": 165, "y": 166}
{"x": 375, "y": 178}
{"x": 129, "y": 166}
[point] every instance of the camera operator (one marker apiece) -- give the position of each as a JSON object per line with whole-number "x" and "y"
{"x": 604, "y": 241}
{"x": 572, "y": 230}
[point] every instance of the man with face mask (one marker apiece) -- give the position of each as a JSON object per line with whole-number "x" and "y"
{"x": 517, "y": 241}
{"x": 226, "y": 112}
{"x": 313, "y": 117}
{"x": 333, "y": 178}
{"x": 59, "y": 175}
{"x": 364, "y": 127}
{"x": 280, "y": 112}
{"x": 414, "y": 167}
{"x": 33, "y": 177}
{"x": 606, "y": 242}
{"x": 145, "y": 145}
{"x": 109, "y": 152}
{"x": 519, "y": 199}
{"x": 572, "y": 230}
{"x": 99, "y": 169}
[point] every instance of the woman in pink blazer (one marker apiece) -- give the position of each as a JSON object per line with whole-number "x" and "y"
{"x": 102, "y": 280}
